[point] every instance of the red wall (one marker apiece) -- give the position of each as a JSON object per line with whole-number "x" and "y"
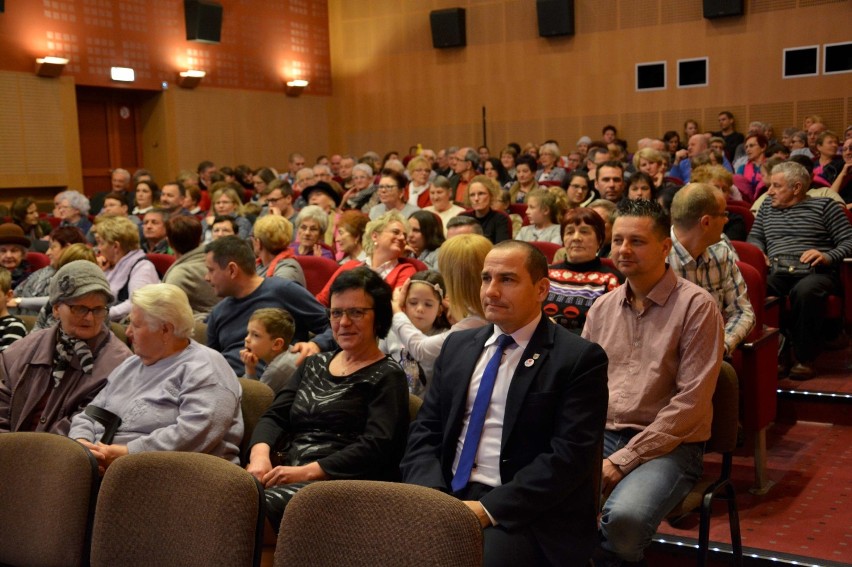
{"x": 263, "y": 41}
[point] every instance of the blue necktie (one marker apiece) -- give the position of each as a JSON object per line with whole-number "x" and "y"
{"x": 477, "y": 415}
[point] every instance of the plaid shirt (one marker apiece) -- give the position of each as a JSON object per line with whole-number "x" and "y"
{"x": 716, "y": 271}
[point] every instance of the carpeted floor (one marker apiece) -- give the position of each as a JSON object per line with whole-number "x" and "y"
{"x": 834, "y": 374}
{"x": 808, "y": 512}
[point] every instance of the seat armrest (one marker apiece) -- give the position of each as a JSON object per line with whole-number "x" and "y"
{"x": 765, "y": 336}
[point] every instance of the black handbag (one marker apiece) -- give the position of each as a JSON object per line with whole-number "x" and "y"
{"x": 789, "y": 264}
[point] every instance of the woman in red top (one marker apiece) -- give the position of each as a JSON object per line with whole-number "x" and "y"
{"x": 384, "y": 242}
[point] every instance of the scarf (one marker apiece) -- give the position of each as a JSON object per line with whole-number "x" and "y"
{"x": 66, "y": 348}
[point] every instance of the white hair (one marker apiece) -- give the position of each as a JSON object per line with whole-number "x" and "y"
{"x": 165, "y": 303}
{"x": 314, "y": 212}
{"x": 76, "y": 200}
{"x": 363, "y": 167}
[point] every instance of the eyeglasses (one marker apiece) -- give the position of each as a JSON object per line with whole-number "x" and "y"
{"x": 305, "y": 228}
{"x": 386, "y": 187}
{"x": 354, "y": 313}
{"x": 724, "y": 213}
{"x": 81, "y": 311}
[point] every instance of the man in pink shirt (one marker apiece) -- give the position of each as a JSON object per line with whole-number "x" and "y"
{"x": 664, "y": 339}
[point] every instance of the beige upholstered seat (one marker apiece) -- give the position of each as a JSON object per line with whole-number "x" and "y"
{"x": 48, "y": 486}
{"x": 363, "y": 523}
{"x": 170, "y": 508}
{"x": 256, "y": 399}
{"x": 199, "y": 332}
{"x": 414, "y": 404}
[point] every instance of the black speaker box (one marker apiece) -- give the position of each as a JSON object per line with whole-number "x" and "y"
{"x": 203, "y": 20}
{"x": 722, "y": 8}
{"x": 2, "y": 6}
{"x": 555, "y": 17}
{"x": 448, "y": 28}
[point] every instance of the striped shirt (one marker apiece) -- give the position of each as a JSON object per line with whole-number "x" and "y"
{"x": 11, "y": 329}
{"x": 815, "y": 223}
{"x": 716, "y": 271}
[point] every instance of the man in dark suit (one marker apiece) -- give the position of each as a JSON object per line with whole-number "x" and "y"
{"x": 526, "y": 463}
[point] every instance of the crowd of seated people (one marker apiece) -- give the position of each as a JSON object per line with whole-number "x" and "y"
{"x": 243, "y": 244}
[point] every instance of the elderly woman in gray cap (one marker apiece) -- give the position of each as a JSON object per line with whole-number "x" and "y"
{"x": 52, "y": 374}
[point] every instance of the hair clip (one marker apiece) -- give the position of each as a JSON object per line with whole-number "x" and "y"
{"x": 434, "y": 286}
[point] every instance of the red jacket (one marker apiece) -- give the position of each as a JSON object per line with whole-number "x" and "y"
{"x": 398, "y": 276}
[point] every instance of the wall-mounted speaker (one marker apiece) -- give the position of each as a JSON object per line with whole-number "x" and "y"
{"x": 448, "y": 28}
{"x": 722, "y": 8}
{"x": 203, "y": 20}
{"x": 555, "y": 17}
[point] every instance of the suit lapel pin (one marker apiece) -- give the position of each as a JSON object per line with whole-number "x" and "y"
{"x": 535, "y": 356}
{"x": 529, "y": 362}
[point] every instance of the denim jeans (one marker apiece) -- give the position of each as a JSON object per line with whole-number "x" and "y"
{"x": 645, "y": 496}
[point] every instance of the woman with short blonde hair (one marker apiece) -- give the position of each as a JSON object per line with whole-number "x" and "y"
{"x": 652, "y": 162}
{"x": 384, "y": 242}
{"x": 226, "y": 203}
{"x": 483, "y": 193}
{"x": 125, "y": 265}
{"x": 271, "y": 243}
{"x": 549, "y": 156}
{"x": 419, "y": 171}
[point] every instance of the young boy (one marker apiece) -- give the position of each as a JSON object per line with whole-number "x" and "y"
{"x": 268, "y": 337}
{"x": 11, "y": 328}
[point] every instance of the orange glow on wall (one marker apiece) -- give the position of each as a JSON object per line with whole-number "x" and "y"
{"x": 259, "y": 39}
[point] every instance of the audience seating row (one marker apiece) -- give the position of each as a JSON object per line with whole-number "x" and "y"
{"x": 192, "y": 509}
{"x": 160, "y": 508}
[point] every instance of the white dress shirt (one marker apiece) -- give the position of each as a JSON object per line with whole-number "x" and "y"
{"x": 486, "y": 468}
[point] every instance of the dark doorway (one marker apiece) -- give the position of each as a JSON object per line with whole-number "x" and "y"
{"x": 110, "y": 133}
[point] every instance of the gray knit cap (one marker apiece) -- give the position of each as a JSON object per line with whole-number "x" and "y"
{"x": 76, "y": 279}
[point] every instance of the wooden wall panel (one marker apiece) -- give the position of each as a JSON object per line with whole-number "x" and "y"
{"x": 639, "y": 13}
{"x": 774, "y": 114}
{"x": 39, "y": 143}
{"x": 830, "y": 109}
{"x": 806, "y": 3}
{"x": 757, "y": 6}
{"x": 232, "y": 127}
{"x": 679, "y": 11}
{"x": 710, "y": 122}
{"x": 595, "y": 16}
{"x": 12, "y": 141}
{"x": 536, "y": 88}
{"x": 642, "y": 122}
{"x": 674, "y": 119}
